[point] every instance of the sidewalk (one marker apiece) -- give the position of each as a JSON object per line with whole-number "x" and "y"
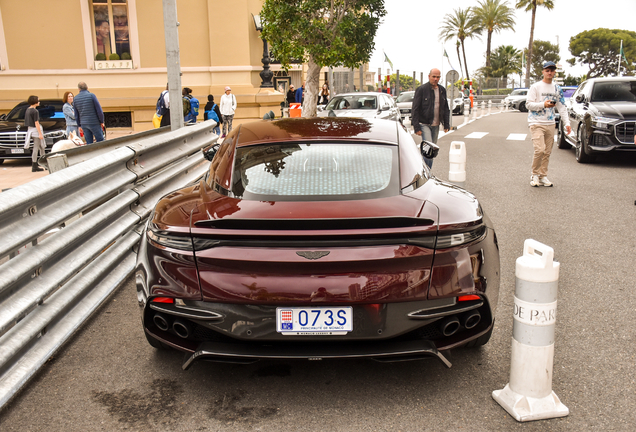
{"x": 15, "y": 172}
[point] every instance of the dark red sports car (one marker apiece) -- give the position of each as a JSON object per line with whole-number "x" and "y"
{"x": 318, "y": 238}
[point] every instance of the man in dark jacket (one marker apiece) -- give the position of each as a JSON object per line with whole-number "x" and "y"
{"x": 88, "y": 114}
{"x": 291, "y": 95}
{"x": 430, "y": 110}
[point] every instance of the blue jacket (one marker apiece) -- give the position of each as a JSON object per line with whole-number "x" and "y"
{"x": 88, "y": 111}
{"x": 299, "y": 95}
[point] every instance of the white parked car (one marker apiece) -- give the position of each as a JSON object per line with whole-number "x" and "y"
{"x": 362, "y": 105}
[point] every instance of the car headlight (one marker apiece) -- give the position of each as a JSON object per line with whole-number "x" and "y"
{"x": 602, "y": 122}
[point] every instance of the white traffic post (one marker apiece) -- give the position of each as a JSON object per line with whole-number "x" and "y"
{"x": 489, "y": 107}
{"x": 529, "y": 394}
{"x": 482, "y": 107}
{"x": 466, "y": 110}
{"x": 475, "y": 108}
{"x": 500, "y": 105}
{"x": 457, "y": 163}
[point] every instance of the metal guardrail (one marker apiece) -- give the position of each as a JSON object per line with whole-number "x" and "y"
{"x": 67, "y": 239}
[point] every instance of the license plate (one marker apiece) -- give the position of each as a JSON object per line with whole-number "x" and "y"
{"x": 14, "y": 151}
{"x": 314, "y": 321}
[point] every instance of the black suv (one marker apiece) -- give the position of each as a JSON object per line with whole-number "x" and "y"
{"x": 602, "y": 114}
{"x": 13, "y": 131}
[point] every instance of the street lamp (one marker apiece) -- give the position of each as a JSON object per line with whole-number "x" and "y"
{"x": 266, "y": 74}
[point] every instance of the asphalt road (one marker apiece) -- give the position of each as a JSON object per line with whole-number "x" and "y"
{"x": 109, "y": 378}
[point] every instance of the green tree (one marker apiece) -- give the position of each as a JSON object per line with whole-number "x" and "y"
{"x": 406, "y": 82}
{"x": 321, "y": 33}
{"x": 543, "y": 51}
{"x": 531, "y": 5}
{"x": 599, "y": 50}
{"x": 505, "y": 60}
{"x": 573, "y": 81}
{"x": 493, "y": 16}
{"x": 461, "y": 24}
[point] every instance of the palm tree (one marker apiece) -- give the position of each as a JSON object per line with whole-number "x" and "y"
{"x": 461, "y": 24}
{"x": 494, "y": 16}
{"x": 531, "y": 5}
{"x": 505, "y": 60}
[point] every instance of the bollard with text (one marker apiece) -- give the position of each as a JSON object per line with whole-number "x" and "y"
{"x": 529, "y": 394}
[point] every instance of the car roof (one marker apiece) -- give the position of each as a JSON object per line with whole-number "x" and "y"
{"x": 358, "y": 94}
{"x": 318, "y": 129}
{"x": 602, "y": 79}
{"x": 42, "y": 101}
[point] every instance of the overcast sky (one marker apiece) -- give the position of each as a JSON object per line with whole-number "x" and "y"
{"x": 410, "y": 30}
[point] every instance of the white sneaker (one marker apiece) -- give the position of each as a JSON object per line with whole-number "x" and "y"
{"x": 545, "y": 182}
{"x": 535, "y": 182}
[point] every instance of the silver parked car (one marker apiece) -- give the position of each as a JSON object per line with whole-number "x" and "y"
{"x": 517, "y": 99}
{"x": 362, "y": 105}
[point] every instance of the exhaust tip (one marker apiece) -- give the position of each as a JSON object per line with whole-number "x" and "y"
{"x": 181, "y": 328}
{"x": 161, "y": 322}
{"x": 471, "y": 319}
{"x": 449, "y": 326}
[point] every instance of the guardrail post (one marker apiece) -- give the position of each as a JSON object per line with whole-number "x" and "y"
{"x": 529, "y": 394}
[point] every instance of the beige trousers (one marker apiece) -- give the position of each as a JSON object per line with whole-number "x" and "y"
{"x": 542, "y": 140}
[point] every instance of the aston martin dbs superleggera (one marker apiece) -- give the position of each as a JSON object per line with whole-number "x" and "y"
{"x": 318, "y": 238}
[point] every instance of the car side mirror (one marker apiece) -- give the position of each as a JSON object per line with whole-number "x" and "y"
{"x": 580, "y": 98}
{"x": 386, "y": 107}
{"x": 429, "y": 150}
{"x": 210, "y": 152}
{"x": 3, "y": 117}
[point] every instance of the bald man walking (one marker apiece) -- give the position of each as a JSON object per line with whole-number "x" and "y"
{"x": 430, "y": 110}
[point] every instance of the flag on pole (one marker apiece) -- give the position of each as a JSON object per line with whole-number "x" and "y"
{"x": 386, "y": 59}
{"x": 623, "y": 54}
{"x": 448, "y": 59}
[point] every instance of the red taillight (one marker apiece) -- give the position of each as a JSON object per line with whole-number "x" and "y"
{"x": 468, "y": 297}
{"x": 162, "y": 300}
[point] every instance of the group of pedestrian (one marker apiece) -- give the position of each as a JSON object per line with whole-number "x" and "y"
{"x": 430, "y": 111}
{"x": 298, "y": 95}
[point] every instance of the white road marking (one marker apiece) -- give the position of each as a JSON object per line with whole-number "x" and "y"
{"x": 476, "y": 135}
{"x": 517, "y": 137}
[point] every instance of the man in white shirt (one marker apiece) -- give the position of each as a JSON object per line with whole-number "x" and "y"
{"x": 543, "y": 98}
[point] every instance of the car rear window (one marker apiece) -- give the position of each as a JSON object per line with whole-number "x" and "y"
{"x": 315, "y": 172}
{"x": 352, "y": 102}
{"x": 406, "y": 97}
{"x": 614, "y": 91}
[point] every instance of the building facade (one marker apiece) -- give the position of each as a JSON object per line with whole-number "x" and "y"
{"x": 118, "y": 48}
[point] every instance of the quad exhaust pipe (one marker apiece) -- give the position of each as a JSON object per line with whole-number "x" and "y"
{"x": 451, "y": 325}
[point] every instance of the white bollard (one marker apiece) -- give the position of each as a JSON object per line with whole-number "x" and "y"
{"x": 466, "y": 111}
{"x": 457, "y": 163}
{"x": 407, "y": 123}
{"x": 501, "y": 106}
{"x": 475, "y": 108}
{"x": 482, "y": 107}
{"x": 529, "y": 394}
{"x": 489, "y": 107}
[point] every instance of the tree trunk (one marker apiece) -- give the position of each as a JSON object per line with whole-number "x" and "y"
{"x": 459, "y": 58}
{"x": 488, "y": 48}
{"x": 465, "y": 63}
{"x": 311, "y": 88}
{"x": 529, "y": 59}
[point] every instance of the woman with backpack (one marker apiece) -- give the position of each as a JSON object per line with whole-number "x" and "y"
{"x": 212, "y": 112}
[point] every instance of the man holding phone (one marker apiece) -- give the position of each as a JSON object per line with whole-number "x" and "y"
{"x": 543, "y": 97}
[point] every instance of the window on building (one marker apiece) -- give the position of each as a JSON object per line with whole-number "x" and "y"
{"x": 110, "y": 21}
